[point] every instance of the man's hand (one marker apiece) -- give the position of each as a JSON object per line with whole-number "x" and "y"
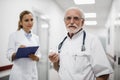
{"x": 54, "y": 57}
{"x": 103, "y": 77}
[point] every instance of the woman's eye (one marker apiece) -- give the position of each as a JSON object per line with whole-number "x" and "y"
{"x": 31, "y": 19}
{"x": 26, "y": 20}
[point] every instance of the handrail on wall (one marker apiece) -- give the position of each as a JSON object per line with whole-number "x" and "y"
{"x": 6, "y": 67}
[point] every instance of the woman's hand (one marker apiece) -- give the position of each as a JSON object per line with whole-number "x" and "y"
{"x": 34, "y": 57}
{"x": 13, "y": 56}
{"x": 22, "y": 46}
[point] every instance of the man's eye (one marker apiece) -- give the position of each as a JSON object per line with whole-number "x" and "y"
{"x": 68, "y": 18}
{"x": 76, "y": 18}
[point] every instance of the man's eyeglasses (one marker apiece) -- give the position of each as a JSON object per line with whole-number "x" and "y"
{"x": 74, "y": 18}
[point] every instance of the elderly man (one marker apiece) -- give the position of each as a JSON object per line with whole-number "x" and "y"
{"x": 80, "y": 55}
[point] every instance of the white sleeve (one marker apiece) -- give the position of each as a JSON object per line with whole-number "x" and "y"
{"x": 11, "y": 46}
{"x": 100, "y": 64}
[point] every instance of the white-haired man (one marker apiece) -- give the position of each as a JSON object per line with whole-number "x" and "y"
{"x": 80, "y": 55}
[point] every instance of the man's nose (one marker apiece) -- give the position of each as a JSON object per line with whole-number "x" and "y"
{"x": 72, "y": 20}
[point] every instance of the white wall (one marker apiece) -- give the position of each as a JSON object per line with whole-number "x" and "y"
{"x": 111, "y": 25}
{"x": 100, "y": 32}
{"x": 9, "y": 14}
{"x": 113, "y": 48}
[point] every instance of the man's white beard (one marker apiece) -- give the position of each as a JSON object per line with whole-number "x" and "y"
{"x": 73, "y": 31}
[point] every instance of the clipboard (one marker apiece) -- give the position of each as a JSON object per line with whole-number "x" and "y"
{"x": 24, "y": 52}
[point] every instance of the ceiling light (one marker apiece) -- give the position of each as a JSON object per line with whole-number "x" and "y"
{"x": 90, "y": 15}
{"x": 84, "y": 2}
{"x": 90, "y": 22}
{"x": 44, "y": 26}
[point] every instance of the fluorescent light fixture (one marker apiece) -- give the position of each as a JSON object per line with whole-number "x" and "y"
{"x": 44, "y": 26}
{"x": 90, "y": 15}
{"x": 90, "y": 22}
{"x": 117, "y": 22}
{"x": 119, "y": 15}
{"x": 43, "y": 17}
{"x": 84, "y": 2}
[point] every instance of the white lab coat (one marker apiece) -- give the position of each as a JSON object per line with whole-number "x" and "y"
{"x": 83, "y": 65}
{"x": 23, "y": 68}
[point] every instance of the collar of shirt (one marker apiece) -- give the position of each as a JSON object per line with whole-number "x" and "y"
{"x": 76, "y": 34}
{"x": 28, "y": 35}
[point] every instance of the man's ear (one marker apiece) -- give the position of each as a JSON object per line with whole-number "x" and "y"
{"x": 83, "y": 22}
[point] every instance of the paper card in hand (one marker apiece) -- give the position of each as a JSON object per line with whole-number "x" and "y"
{"x": 24, "y": 52}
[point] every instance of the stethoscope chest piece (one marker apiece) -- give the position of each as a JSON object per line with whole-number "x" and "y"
{"x": 83, "y": 48}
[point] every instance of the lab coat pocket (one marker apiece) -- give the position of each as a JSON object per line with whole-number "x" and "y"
{"x": 82, "y": 61}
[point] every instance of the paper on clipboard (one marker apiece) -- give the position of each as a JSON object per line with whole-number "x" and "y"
{"x": 24, "y": 52}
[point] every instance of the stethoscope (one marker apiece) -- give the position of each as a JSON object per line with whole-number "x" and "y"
{"x": 82, "y": 49}
{"x": 83, "y": 43}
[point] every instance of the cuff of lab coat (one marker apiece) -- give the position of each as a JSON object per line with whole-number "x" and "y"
{"x": 104, "y": 72}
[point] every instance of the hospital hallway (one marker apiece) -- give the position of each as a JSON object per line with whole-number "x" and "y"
{"x": 102, "y": 18}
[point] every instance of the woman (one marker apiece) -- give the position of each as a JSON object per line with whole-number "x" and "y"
{"x": 23, "y": 68}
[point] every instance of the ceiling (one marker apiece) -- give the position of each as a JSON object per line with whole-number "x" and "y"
{"x": 101, "y": 8}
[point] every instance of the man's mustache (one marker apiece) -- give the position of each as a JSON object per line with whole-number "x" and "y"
{"x": 72, "y": 25}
